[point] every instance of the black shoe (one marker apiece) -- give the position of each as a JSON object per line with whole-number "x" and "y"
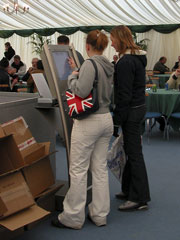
{"x": 115, "y": 135}
{"x": 161, "y": 128}
{"x": 131, "y": 206}
{"x": 89, "y": 218}
{"x": 56, "y": 223}
{"x": 121, "y": 196}
{"x": 115, "y": 132}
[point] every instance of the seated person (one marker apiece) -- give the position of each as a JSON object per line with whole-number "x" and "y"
{"x": 64, "y": 40}
{"x": 19, "y": 66}
{"x": 13, "y": 79}
{"x": 176, "y": 65}
{"x": 9, "y": 52}
{"x": 30, "y": 82}
{"x": 160, "y": 65}
{"x": 34, "y": 67}
{"x": 4, "y": 76}
{"x": 174, "y": 80}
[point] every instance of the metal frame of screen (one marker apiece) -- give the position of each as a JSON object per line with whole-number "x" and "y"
{"x": 57, "y": 88}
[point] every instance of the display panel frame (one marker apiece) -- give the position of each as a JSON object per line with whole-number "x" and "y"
{"x": 58, "y": 86}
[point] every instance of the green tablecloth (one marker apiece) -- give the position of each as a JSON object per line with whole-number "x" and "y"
{"x": 163, "y": 78}
{"x": 165, "y": 102}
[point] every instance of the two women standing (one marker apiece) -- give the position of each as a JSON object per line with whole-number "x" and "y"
{"x": 90, "y": 136}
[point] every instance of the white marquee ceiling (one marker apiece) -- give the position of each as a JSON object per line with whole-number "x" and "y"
{"x": 72, "y": 13}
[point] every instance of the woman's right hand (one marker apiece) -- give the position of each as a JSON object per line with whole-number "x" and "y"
{"x": 71, "y": 62}
{"x": 75, "y": 73}
{"x": 177, "y": 73}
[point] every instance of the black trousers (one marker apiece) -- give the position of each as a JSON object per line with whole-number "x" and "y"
{"x": 134, "y": 180}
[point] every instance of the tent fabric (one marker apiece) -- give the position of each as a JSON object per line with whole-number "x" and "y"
{"x": 46, "y": 17}
{"x": 70, "y": 30}
{"x": 157, "y": 20}
{"x": 158, "y": 45}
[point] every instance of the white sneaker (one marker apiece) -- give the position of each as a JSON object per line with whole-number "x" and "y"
{"x": 130, "y": 206}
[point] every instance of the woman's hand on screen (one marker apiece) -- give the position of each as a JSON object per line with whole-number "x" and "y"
{"x": 71, "y": 63}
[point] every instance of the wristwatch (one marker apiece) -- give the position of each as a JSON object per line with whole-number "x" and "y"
{"x": 174, "y": 77}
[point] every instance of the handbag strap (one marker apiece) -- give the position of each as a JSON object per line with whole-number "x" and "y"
{"x": 96, "y": 72}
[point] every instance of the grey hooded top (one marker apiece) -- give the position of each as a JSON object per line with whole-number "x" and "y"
{"x": 82, "y": 85}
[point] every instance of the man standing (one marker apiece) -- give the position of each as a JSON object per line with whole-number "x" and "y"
{"x": 64, "y": 40}
{"x": 9, "y": 52}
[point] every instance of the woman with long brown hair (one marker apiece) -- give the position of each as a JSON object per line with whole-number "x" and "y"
{"x": 129, "y": 80}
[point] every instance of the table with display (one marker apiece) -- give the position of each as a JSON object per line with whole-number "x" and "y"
{"x": 165, "y": 102}
{"x": 163, "y": 78}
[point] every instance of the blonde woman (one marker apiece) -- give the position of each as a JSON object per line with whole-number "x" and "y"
{"x": 129, "y": 112}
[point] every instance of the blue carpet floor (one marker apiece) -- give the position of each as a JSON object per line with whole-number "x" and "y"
{"x": 160, "y": 222}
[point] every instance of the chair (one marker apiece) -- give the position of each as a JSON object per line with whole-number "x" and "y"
{"x": 154, "y": 80}
{"x": 167, "y": 127}
{"x": 156, "y": 72}
{"x": 149, "y": 85}
{"x": 167, "y": 72}
{"x": 149, "y": 121}
{"x": 22, "y": 90}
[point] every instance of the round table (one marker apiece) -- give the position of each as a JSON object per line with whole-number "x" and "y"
{"x": 165, "y": 102}
{"x": 163, "y": 78}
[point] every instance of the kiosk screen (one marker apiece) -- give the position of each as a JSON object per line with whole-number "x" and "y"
{"x": 62, "y": 65}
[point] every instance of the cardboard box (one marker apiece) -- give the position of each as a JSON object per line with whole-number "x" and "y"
{"x": 46, "y": 200}
{"x": 17, "y": 206}
{"x": 1, "y": 132}
{"x": 19, "y": 149}
{"x": 24, "y": 218}
{"x": 3, "y": 208}
{"x": 39, "y": 176}
{"x": 11, "y": 158}
{"x": 14, "y": 194}
{"x": 30, "y": 150}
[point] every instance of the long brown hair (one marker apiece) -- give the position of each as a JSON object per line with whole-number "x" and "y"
{"x": 97, "y": 40}
{"x": 124, "y": 39}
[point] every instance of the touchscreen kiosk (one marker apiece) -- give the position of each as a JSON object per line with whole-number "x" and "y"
{"x": 57, "y": 69}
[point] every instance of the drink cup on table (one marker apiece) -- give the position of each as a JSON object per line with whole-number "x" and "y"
{"x": 166, "y": 86}
{"x": 154, "y": 88}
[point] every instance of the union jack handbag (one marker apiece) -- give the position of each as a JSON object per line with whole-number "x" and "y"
{"x": 80, "y": 108}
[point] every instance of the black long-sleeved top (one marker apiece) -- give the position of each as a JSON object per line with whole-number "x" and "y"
{"x": 176, "y": 65}
{"x": 129, "y": 84}
{"x": 4, "y": 80}
{"x": 9, "y": 53}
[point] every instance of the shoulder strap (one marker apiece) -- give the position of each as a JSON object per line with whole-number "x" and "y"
{"x": 95, "y": 67}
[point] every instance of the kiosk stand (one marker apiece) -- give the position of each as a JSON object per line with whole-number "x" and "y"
{"x": 57, "y": 70}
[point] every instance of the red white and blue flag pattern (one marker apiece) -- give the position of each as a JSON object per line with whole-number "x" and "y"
{"x": 77, "y": 104}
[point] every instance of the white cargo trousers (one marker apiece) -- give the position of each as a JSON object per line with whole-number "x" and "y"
{"x": 89, "y": 145}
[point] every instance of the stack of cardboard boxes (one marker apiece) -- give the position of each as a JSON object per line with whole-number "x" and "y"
{"x": 26, "y": 175}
